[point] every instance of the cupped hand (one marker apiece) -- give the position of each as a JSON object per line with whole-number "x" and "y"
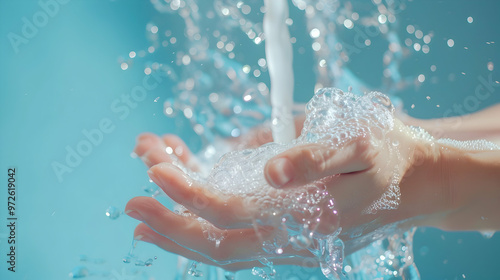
{"x": 241, "y": 244}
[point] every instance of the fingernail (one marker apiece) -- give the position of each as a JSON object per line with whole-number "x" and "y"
{"x": 146, "y": 160}
{"x": 282, "y": 172}
{"x": 144, "y": 237}
{"x": 134, "y": 214}
{"x": 153, "y": 176}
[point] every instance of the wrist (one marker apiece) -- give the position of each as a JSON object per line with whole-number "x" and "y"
{"x": 423, "y": 194}
{"x": 472, "y": 181}
{"x": 449, "y": 188}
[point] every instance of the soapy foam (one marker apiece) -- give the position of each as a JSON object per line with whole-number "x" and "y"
{"x": 335, "y": 119}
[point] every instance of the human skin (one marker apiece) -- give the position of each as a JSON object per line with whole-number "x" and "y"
{"x": 480, "y": 125}
{"x": 440, "y": 187}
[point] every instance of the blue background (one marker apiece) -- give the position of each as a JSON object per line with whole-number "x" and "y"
{"x": 66, "y": 77}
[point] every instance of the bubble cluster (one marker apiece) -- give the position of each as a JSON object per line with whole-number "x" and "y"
{"x": 391, "y": 258}
{"x": 470, "y": 145}
{"x": 334, "y": 118}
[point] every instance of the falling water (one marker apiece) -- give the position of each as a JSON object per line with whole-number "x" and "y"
{"x": 279, "y": 59}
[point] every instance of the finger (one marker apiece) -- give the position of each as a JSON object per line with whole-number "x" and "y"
{"x": 174, "y": 145}
{"x": 220, "y": 210}
{"x": 307, "y": 163}
{"x": 144, "y": 233}
{"x": 151, "y": 149}
{"x": 237, "y": 244}
{"x": 178, "y": 147}
{"x": 187, "y": 231}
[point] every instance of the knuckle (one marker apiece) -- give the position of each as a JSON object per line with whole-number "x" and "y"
{"x": 363, "y": 149}
{"x": 200, "y": 201}
{"x": 313, "y": 160}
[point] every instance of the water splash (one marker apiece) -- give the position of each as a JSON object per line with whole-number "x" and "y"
{"x": 487, "y": 234}
{"x": 194, "y": 271}
{"x": 132, "y": 257}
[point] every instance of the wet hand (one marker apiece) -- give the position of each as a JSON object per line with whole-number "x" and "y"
{"x": 184, "y": 234}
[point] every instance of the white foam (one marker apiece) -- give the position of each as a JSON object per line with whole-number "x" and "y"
{"x": 334, "y": 118}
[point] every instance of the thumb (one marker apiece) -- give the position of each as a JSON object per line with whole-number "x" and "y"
{"x": 307, "y": 163}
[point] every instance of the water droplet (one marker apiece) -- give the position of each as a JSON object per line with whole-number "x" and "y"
{"x": 490, "y": 66}
{"x": 228, "y": 275}
{"x": 300, "y": 242}
{"x": 148, "y": 262}
{"x": 348, "y": 24}
{"x": 258, "y": 271}
{"x": 315, "y": 33}
{"x": 193, "y": 271}
{"x": 127, "y": 259}
{"x": 113, "y": 213}
{"x": 450, "y": 43}
{"x": 79, "y": 272}
{"x": 487, "y": 234}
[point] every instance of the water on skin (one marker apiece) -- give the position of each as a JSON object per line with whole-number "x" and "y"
{"x": 333, "y": 118}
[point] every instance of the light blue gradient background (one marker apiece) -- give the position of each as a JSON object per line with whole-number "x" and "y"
{"x": 65, "y": 79}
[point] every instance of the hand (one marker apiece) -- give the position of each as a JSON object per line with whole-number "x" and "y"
{"x": 184, "y": 235}
{"x": 363, "y": 194}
